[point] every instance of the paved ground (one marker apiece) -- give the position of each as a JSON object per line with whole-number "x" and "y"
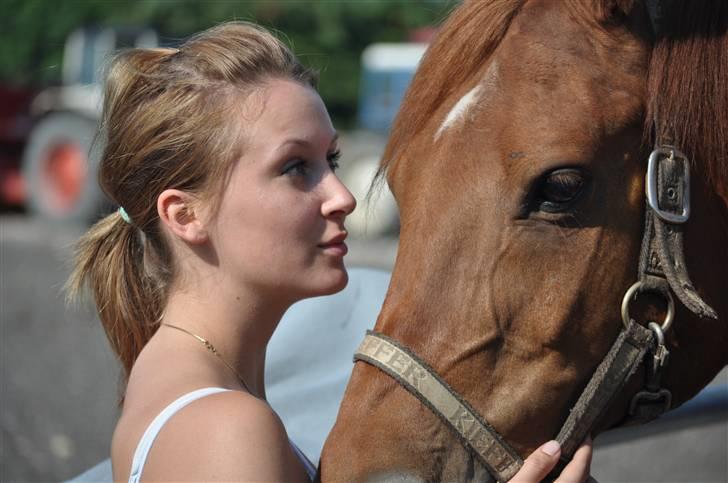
{"x": 57, "y": 375}
{"x": 58, "y": 380}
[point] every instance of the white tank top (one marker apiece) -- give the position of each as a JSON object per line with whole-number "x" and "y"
{"x": 145, "y": 444}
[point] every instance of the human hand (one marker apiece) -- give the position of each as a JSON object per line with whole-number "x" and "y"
{"x": 543, "y": 460}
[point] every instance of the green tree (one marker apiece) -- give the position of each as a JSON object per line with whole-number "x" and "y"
{"x": 328, "y": 35}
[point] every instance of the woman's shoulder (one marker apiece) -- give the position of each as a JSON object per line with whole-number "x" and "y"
{"x": 228, "y": 435}
{"x": 232, "y": 413}
{"x": 227, "y": 416}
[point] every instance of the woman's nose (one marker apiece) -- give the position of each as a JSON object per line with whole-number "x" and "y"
{"x": 339, "y": 199}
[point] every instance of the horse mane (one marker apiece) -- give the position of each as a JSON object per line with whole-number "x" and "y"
{"x": 686, "y": 88}
{"x": 687, "y": 91}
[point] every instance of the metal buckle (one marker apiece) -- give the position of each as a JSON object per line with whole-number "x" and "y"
{"x": 651, "y": 184}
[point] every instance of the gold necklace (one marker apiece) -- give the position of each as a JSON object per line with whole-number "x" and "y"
{"x": 212, "y": 349}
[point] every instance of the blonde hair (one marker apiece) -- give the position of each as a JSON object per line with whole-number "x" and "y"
{"x": 168, "y": 122}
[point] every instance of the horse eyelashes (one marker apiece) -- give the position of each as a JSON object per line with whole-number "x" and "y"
{"x": 562, "y": 187}
{"x": 558, "y": 189}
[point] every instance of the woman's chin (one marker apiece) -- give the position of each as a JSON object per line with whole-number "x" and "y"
{"x": 332, "y": 282}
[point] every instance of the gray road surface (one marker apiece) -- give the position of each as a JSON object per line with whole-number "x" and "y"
{"x": 58, "y": 380}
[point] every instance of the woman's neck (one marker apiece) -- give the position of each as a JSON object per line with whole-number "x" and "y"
{"x": 238, "y": 325}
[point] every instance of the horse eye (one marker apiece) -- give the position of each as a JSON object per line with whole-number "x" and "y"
{"x": 560, "y": 188}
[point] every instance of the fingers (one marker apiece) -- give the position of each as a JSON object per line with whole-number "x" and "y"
{"x": 538, "y": 464}
{"x": 544, "y": 459}
{"x": 577, "y": 471}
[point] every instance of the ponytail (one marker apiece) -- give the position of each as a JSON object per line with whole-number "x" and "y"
{"x": 109, "y": 261}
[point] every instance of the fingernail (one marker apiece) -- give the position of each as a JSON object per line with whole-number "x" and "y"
{"x": 551, "y": 448}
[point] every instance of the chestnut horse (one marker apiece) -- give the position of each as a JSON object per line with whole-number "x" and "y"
{"x": 518, "y": 161}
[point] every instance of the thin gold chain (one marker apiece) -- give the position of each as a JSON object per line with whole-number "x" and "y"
{"x": 212, "y": 349}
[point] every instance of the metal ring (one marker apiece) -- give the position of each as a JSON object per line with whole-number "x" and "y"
{"x": 636, "y": 288}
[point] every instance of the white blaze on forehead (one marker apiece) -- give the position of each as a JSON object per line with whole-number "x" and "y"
{"x": 459, "y": 109}
{"x": 466, "y": 103}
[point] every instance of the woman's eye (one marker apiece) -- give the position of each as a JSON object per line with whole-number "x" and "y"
{"x": 560, "y": 188}
{"x": 333, "y": 159}
{"x": 297, "y": 167}
{"x": 301, "y": 167}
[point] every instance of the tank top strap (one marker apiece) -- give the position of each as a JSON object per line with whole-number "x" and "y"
{"x": 308, "y": 466}
{"x": 145, "y": 444}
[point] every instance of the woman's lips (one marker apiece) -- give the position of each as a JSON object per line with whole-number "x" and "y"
{"x": 337, "y": 248}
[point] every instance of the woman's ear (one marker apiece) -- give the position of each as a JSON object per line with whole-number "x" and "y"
{"x": 177, "y": 211}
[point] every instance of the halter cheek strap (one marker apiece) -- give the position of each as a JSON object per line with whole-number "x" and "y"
{"x": 662, "y": 264}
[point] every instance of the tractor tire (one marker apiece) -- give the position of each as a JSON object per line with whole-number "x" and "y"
{"x": 60, "y": 165}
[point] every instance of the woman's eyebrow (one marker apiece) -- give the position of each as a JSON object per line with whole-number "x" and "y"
{"x": 304, "y": 142}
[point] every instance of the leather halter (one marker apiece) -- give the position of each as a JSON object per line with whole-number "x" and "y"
{"x": 662, "y": 271}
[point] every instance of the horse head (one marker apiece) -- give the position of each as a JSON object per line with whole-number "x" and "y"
{"x": 518, "y": 161}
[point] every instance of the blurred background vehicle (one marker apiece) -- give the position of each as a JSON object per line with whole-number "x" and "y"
{"x": 60, "y": 158}
{"x": 15, "y": 124}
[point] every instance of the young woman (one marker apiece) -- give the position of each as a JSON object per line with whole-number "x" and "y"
{"x": 221, "y": 157}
